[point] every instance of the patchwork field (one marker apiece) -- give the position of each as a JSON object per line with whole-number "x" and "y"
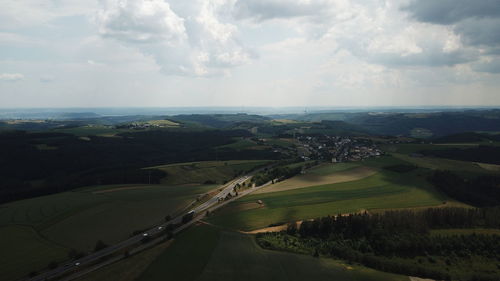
{"x": 201, "y": 172}
{"x": 51, "y": 225}
{"x": 384, "y": 189}
{"x": 207, "y": 253}
{"x": 323, "y": 174}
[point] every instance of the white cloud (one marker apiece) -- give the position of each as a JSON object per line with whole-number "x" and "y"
{"x": 140, "y": 21}
{"x": 11, "y": 76}
{"x": 190, "y": 40}
{"x": 178, "y": 52}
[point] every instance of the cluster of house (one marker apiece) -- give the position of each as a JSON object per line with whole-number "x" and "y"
{"x": 139, "y": 126}
{"x": 336, "y": 148}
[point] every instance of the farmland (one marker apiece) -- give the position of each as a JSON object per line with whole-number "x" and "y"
{"x": 207, "y": 253}
{"x": 201, "y": 172}
{"x": 23, "y": 248}
{"x": 324, "y": 174}
{"x": 404, "y": 152}
{"x": 128, "y": 269}
{"x": 384, "y": 189}
{"x": 53, "y": 224}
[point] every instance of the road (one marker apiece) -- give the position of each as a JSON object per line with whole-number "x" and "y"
{"x": 211, "y": 204}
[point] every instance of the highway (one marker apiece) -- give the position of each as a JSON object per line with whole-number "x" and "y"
{"x": 211, "y": 204}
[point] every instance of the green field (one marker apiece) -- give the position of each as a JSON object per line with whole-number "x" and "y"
{"x": 240, "y": 144}
{"x": 333, "y": 168}
{"x": 201, "y": 172}
{"x": 383, "y": 190}
{"x": 207, "y": 253}
{"x": 24, "y": 250}
{"x": 78, "y": 219}
{"x": 128, "y": 269}
{"x": 444, "y": 164}
{"x": 403, "y": 153}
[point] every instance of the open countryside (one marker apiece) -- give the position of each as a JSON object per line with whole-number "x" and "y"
{"x": 249, "y": 140}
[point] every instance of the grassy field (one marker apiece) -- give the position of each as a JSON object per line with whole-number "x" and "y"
{"x": 415, "y": 148}
{"x": 444, "y": 164}
{"x": 187, "y": 256}
{"x": 403, "y": 151}
{"x": 23, "y": 248}
{"x": 79, "y": 218}
{"x": 128, "y": 269}
{"x": 382, "y": 190}
{"x": 207, "y": 253}
{"x": 239, "y": 144}
{"x": 328, "y": 169}
{"x": 162, "y": 123}
{"x": 323, "y": 174}
{"x": 200, "y": 172}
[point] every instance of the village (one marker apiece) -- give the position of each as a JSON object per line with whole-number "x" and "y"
{"x": 336, "y": 149}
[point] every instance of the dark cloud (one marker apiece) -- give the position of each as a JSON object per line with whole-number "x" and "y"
{"x": 476, "y": 22}
{"x": 490, "y": 67}
{"x": 452, "y": 11}
{"x": 484, "y": 31}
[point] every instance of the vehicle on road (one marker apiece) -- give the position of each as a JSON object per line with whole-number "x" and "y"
{"x": 188, "y": 217}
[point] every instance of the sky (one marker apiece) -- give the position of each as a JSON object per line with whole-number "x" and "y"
{"x": 115, "y": 53}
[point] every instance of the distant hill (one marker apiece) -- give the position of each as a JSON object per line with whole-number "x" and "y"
{"x": 429, "y": 124}
{"x": 219, "y": 121}
{"x": 467, "y": 137}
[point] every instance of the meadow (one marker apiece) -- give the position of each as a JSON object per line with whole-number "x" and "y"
{"x": 212, "y": 171}
{"x": 44, "y": 229}
{"x": 52, "y": 225}
{"x": 404, "y": 152}
{"x": 208, "y": 253}
{"x": 323, "y": 174}
{"x": 384, "y": 189}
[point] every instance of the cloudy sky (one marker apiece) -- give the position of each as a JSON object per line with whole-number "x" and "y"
{"x": 74, "y": 53}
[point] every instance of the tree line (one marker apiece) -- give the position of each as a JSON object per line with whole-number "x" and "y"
{"x": 480, "y": 191}
{"x": 35, "y": 164}
{"x": 399, "y": 241}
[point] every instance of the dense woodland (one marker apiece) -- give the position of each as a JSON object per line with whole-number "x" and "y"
{"x": 482, "y": 154}
{"x": 35, "y": 164}
{"x": 399, "y": 241}
{"x": 276, "y": 174}
{"x": 479, "y": 191}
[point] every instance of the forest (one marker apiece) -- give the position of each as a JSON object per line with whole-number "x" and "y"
{"x": 400, "y": 241}
{"x": 35, "y": 164}
{"x": 482, "y": 154}
{"x": 479, "y": 191}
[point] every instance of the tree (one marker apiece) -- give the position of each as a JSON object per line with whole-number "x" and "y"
{"x": 99, "y": 245}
